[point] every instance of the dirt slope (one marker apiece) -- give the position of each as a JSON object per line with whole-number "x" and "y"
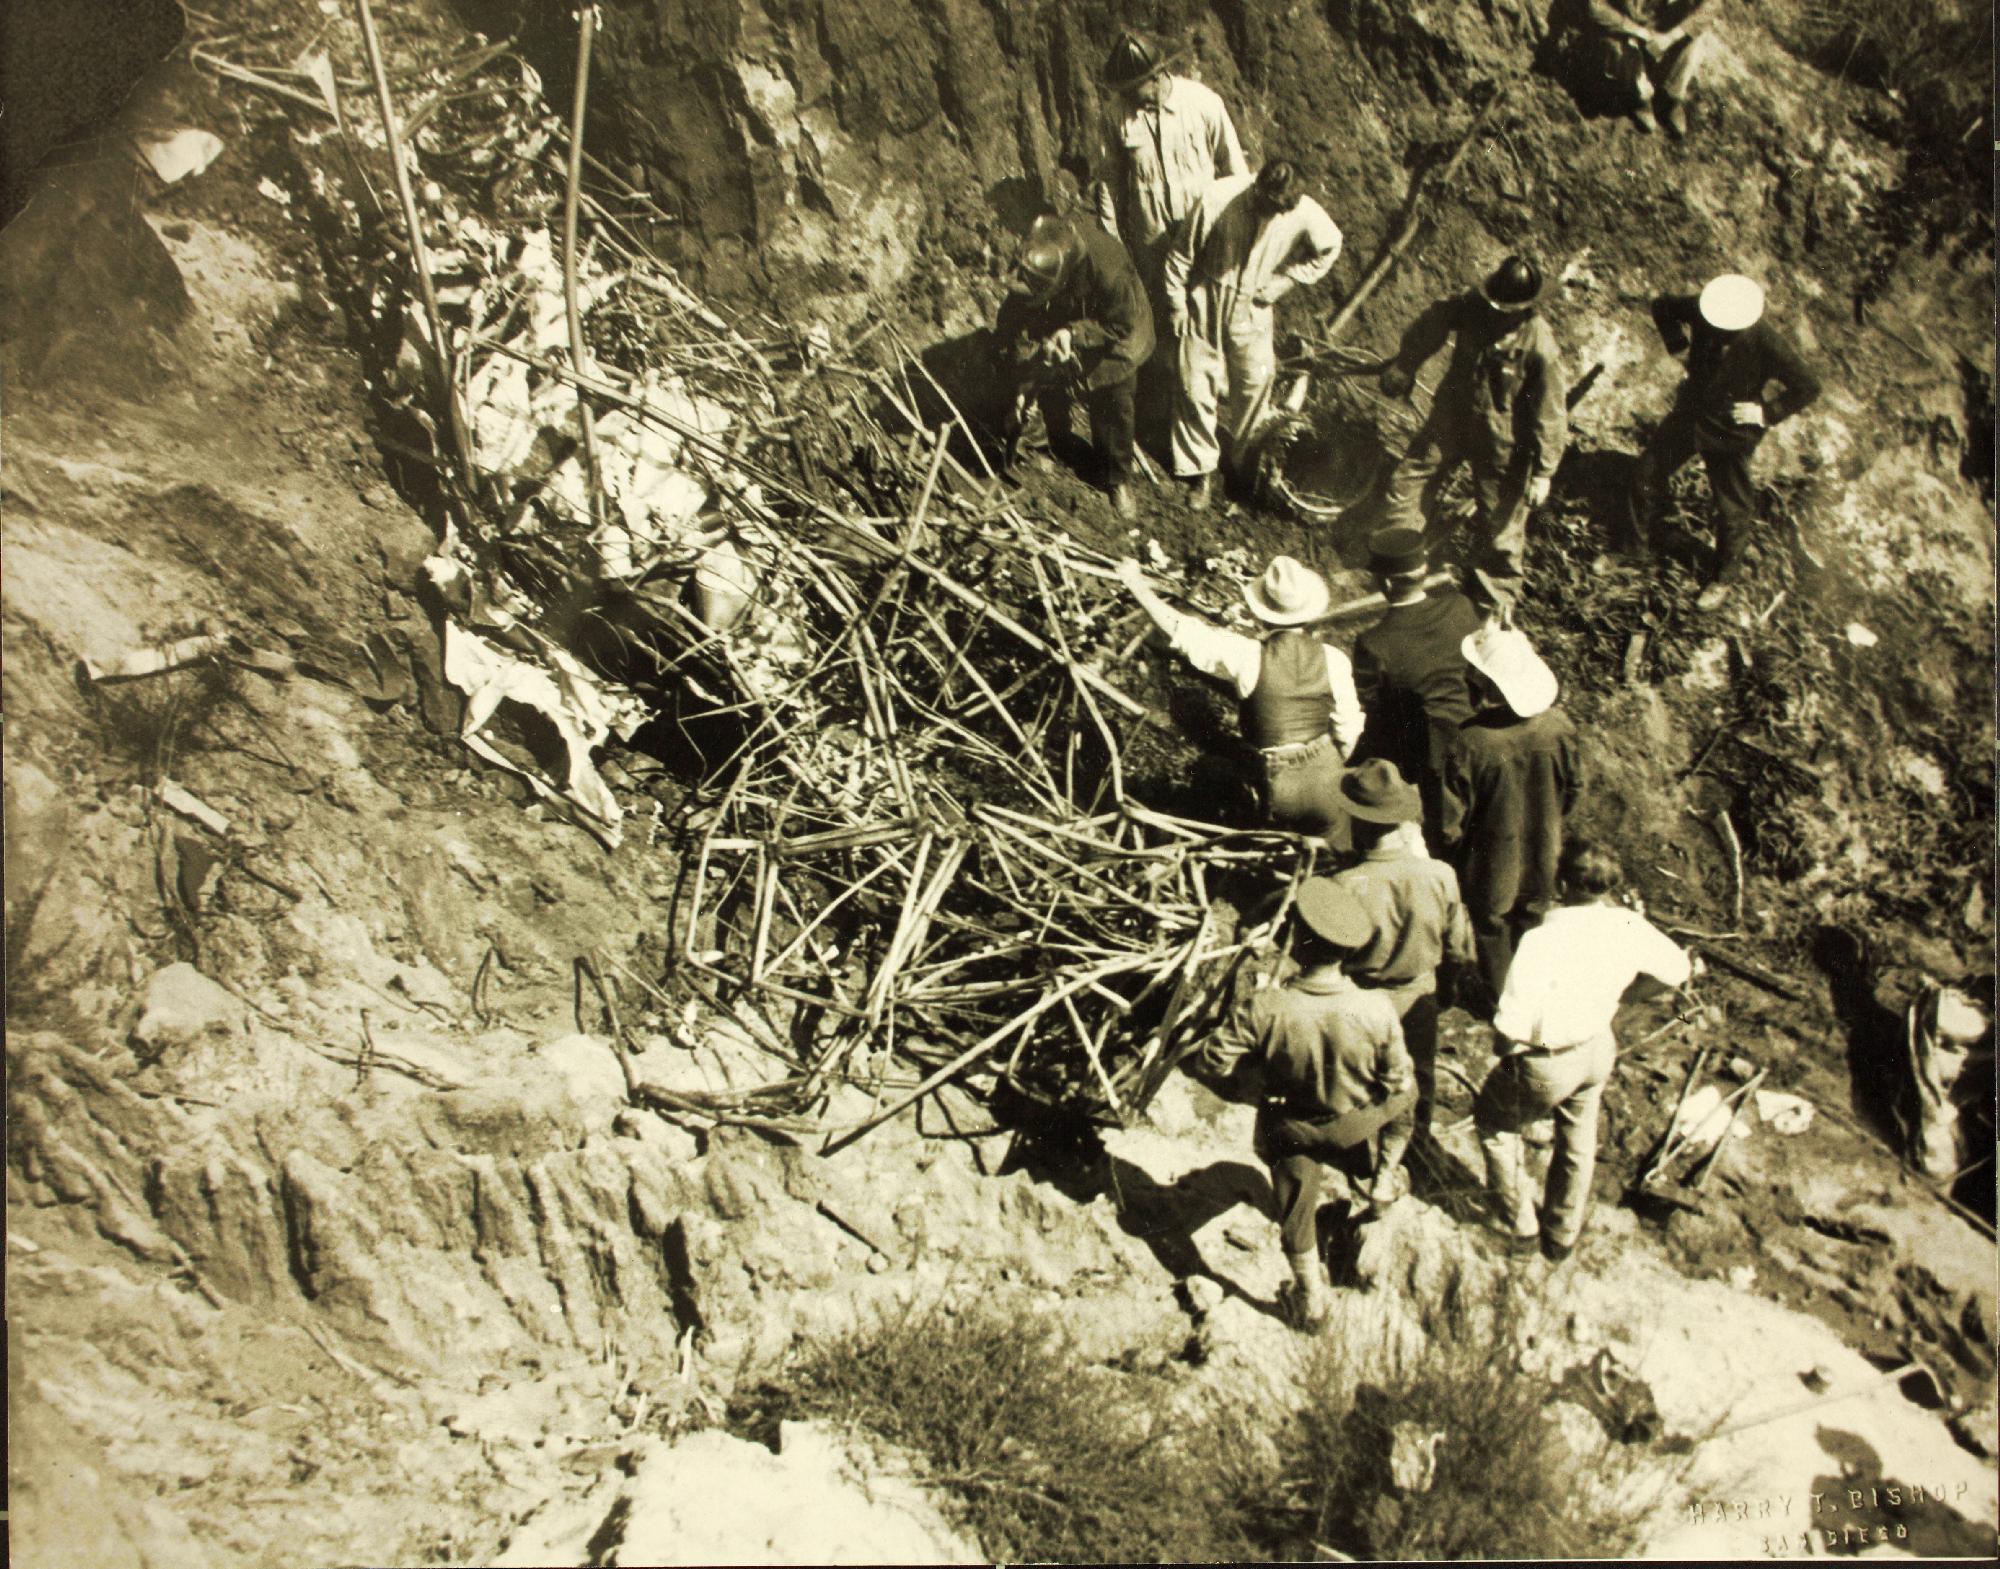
{"x": 331, "y": 1234}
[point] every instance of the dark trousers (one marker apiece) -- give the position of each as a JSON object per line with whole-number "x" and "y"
{"x": 1493, "y": 940}
{"x": 1729, "y": 483}
{"x": 1501, "y": 545}
{"x": 1420, "y": 1035}
{"x": 1296, "y": 1147}
{"x": 1112, "y": 423}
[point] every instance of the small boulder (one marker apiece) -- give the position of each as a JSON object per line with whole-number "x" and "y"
{"x": 181, "y": 1006}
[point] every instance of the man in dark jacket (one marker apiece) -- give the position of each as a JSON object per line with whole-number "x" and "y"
{"x": 1515, "y": 775}
{"x": 1501, "y": 408}
{"x": 1409, "y": 674}
{"x": 1722, "y": 411}
{"x": 1078, "y": 327}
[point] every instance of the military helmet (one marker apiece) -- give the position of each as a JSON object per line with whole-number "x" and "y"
{"x": 1515, "y": 285}
{"x": 1046, "y": 258}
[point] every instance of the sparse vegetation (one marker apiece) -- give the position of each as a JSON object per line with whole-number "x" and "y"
{"x": 1048, "y": 1458}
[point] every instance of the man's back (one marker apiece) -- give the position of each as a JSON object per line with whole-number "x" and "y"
{"x": 1409, "y": 672}
{"x": 1517, "y": 779}
{"x": 1414, "y": 903}
{"x": 1327, "y": 1048}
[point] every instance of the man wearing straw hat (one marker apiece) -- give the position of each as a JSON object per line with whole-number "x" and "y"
{"x": 1501, "y": 409}
{"x": 1556, "y": 1048}
{"x": 1169, "y": 139}
{"x": 1326, "y": 1063}
{"x": 1723, "y": 409}
{"x": 1515, "y": 776}
{"x": 1298, "y": 706}
{"x": 1412, "y": 901}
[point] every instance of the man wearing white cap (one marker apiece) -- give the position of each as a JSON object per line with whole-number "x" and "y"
{"x": 1734, "y": 357}
{"x": 1556, "y": 1048}
{"x": 1514, "y": 776}
{"x": 1299, "y": 708}
{"x": 1325, "y": 1061}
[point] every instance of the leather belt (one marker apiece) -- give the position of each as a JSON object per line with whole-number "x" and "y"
{"x": 1294, "y": 751}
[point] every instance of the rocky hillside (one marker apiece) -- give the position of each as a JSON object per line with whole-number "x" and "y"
{"x": 336, "y": 1230}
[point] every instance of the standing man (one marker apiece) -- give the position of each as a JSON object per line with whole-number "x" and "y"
{"x": 1514, "y": 772}
{"x": 1079, "y": 326}
{"x": 1326, "y": 1062}
{"x": 1297, "y": 693}
{"x": 1722, "y": 412}
{"x": 1248, "y": 243}
{"x": 1169, "y": 139}
{"x": 1412, "y": 901}
{"x": 1557, "y": 1050}
{"x": 1501, "y": 408}
{"x": 1410, "y": 675}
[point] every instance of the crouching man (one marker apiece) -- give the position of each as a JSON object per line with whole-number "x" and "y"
{"x": 1325, "y": 1063}
{"x": 1078, "y": 327}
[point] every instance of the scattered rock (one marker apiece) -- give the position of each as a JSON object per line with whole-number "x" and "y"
{"x": 1204, "y": 1295}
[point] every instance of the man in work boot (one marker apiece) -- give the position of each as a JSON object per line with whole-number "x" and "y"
{"x": 1556, "y": 1049}
{"x": 1625, "y": 56}
{"x": 1248, "y": 243}
{"x": 1514, "y": 775}
{"x": 1734, "y": 358}
{"x": 1333, "y": 1081}
{"x": 1413, "y": 903}
{"x": 1410, "y": 674}
{"x": 1078, "y": 327}
{"x": 1168, "y": 140}
{"x": 1500, "y": 409}
{"x": 1297, "y": 694}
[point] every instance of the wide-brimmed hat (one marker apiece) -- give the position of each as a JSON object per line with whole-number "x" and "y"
{"x": 1516, "y": 284}
{"x": 1331, "y": 912}
{"x": 1732, "y": 302}
{"x": 1506, "y": 658}
{"x": 1288, "y": 593}
{"x": 1133, "y": 59}
{"x": 1392, "y": 552}
{"x": 1376, "y": 792}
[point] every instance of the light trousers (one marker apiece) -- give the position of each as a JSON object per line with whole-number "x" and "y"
{"x": 1523, "y": 1089}
{"x": 1223, "y": 390}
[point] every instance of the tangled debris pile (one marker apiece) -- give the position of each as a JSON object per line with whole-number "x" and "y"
{"x": 916, "y": 831}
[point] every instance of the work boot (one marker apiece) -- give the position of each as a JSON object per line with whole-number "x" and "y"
{"x": 1555, "y": 1252}
{"x": 1643, "y": 118}
{"x": 1308, "y": 1296}
{"x": 1123, "y": 502}
{"x": 1676, "y": 117}
{"x": 1201, "y": 491}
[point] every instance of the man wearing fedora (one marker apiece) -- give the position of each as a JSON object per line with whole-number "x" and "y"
{"x": 1413, "y": 903}
{"x": 1501, "y": 409}
{"x": 1409, "y": 672}
{"x": 1556, "y": 1049}
{"x": 1325, "y": 1062}
{"x": 1249, "y": 242}
{"x": 1734, "y": 358}
{"x": 1168, "y": 140}
{"x": 1298, "y": 707}
{"x": 1514, "y": 774}
{"x": 1078, "y": 326}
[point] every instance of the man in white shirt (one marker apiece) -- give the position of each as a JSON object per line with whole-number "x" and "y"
{"x": 1168, "y": 140}
{"x": 1556, "y": 1048}
{"x": 1299, "y": 708}
{"x": 1248, "y": 243}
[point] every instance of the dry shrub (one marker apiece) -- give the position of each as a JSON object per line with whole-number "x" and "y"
{"x": 1048, "y": 1458}
{"x": 1507, "y": 1484}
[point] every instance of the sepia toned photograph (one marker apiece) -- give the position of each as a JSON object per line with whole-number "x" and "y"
{"x": 998, "y": 781}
